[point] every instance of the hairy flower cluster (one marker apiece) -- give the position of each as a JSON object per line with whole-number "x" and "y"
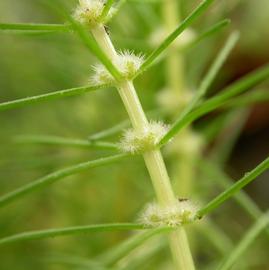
{"x": 101, "y": 75}
{"x": 136, "y": 142}
{"x": 89, "y": 12}
{"x": 181, "y": 213}
{"x": 127, "y": 63}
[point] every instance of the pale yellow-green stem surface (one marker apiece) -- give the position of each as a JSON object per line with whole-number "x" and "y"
{"x": 174, "y": 61}
{"x": 183, "y": 166}
{"x": 153, "y": 159}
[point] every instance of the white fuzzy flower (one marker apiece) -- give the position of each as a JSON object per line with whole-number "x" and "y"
{"x": 101, "y": 75}
{"x": 89, "y": 12}
{"x": 128, "y": 63}
{"x": 140, "y": 141}
{"x": 181, "y": 213}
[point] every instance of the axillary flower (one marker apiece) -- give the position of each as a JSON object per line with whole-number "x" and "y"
{"x": 127, "y": 63}
{"x": 139, "y": 141}
{"x": 89, "y": 12}
{"x": 181, "y": 213}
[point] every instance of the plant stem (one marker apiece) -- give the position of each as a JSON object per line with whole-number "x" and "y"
{"x": 32, "y": 235}
{"x": 180, "y": 249}
{"x": 183, "y": 164}
{"x": 153, "y": 159}
{"x": 182, "y": 169}
{"x": 160, "y": 179}
{"x": 175, "y": 62}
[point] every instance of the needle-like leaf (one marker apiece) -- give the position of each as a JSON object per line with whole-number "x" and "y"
{"x": 50, "y": 96}
{"x": 187, "y": 22}
{"x": 115, "y": 254}
{"x": 55, "y": 176}
{"x": 55, "y": 140}
{"x": 247, "y": 240}
{"x": 207, "y": 33}
{"x": 83, "y": 33}
{"x": 240, "y": 86}
{"x": 32, "y": 235}
{"x": 206, "y": 82}
{"x": 108, "y": 6}
{"x": 247, "y": 178}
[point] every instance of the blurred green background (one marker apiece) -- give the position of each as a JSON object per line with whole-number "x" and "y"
{"x": 33, "y": 63}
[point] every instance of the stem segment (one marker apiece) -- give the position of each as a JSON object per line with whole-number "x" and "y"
{"x": 153, "y": 159}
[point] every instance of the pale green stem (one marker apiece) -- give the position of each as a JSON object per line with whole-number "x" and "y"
{"x": 183, "y": 172}
{"x": 153, "y": 159}
{"x": 180, "y": 249}
{"x": 174, "y": 61}
{"x": 183, "y": 165}
{"x": 160, "y": 178}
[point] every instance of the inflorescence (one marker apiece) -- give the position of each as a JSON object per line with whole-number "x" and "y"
{"x": 183, "y": 212}
{"x": 139, "y": 141}
{"x": 89, "y": 12}
{"x": 127, "y": 63}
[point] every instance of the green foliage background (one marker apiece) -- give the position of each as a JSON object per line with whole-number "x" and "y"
{"x": 34, "y": 63}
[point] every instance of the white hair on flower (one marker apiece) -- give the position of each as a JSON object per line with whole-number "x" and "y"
{"x": 89, "y": 11}
{"x": 139, "y": 141}
{"x": 101, "y": 75}
{"x": 128, "y": 63}
{"x": 156, "y": 216}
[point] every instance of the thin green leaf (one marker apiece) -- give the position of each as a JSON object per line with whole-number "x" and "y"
{"x": 228, "y": 135}
{"x": 213, "y": 171}
{"x": 55, "y": 140}
{"x": 75, "y": 261}
{"x": 245, "y": 243}
{"x": 137, "y": 259}
{"x": 219, "y": 100}
{"x": 187, "y": 22}
{"x": 110, "y": 131}
{"x": 257, "y": 96}
{"x": 206, "y": 83}
{"x": 92, "y": 45}
{"x": 84, "y": 35}
{"x": 216, "y": 236}
{"x": 33, "y": 235}
{"x": 108, "y": 6}
{"x": 249, "y": 177}
{"x": 118, "y": 7}
{"x": 207, "y": 33}
{"x": 50, "y": 96}
{"x": 212, "y": 30}
{"x": 115, "y": 254}
{"x": 34, "y": 27}
{"x": 55, "y": 176}
{"x": 121, "y": 126}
